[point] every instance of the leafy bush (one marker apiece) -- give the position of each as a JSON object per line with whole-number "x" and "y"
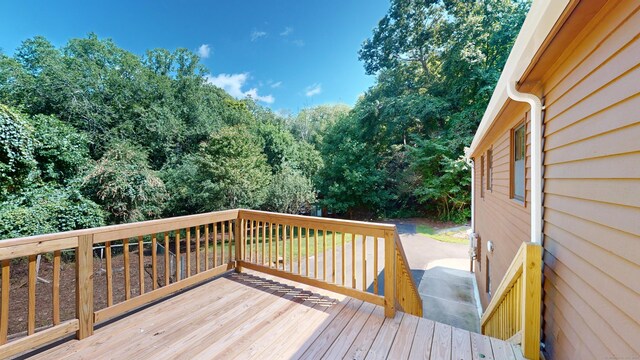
{"x": 124, "y": 184}
{"x": 350, "y": 179}
{"x": 229, "y": 171}
{"x": 47, "y": 209}
{"x": 290, "y": 192}
{"x": 16, "y": 150}
{"x": 60, "y": 150}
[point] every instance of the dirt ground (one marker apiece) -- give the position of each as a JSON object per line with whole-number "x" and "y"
{"x": 18, "y": 293}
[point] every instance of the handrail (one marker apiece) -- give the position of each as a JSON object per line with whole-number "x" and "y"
{"x": 514, "y": 312}
{"x": 343, "y": 256}
{"x": 407, "y": 293}
{"x": 159, "y": 257}
{"x": 154, "y": 246}
{"x": 114, "y": 232}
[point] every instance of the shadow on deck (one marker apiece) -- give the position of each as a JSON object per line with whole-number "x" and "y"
{"x": 251, "y": 315}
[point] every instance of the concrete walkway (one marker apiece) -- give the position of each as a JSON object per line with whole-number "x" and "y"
{"x": 440, "y": 269}
{"x": 442, "y": 272}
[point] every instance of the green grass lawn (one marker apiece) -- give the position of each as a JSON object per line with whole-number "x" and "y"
{"x": 427, "y": 230}
{"x": 257, "y": 243}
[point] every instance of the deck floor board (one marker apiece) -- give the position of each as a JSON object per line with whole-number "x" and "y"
{"x": 256, "y": 316}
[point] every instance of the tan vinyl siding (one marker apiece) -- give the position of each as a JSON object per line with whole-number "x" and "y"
{"x": 592, "y": 191}
{"x": 500, "y": 219}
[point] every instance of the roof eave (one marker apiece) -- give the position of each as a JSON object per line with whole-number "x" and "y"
{"x": 537, "y": 26}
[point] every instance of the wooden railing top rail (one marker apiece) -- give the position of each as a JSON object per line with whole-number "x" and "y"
{"x": 507, "y": 313}
{"x": 370, "y": 228}
{"x": 120, "y": 231}
{"x": 115, "y": 232}
{"x": 512, "y": 275}
{"x": 400, "y": 248}
{"x": 361, "y": 235}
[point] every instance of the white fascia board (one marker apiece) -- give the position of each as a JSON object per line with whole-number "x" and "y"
{"x": 539, "y": 22}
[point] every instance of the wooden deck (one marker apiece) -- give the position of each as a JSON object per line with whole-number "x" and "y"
{"x": 254, "y": 316}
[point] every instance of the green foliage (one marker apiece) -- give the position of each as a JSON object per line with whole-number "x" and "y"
{"x": 436, "y": 62}
{"x": 47, "y": 209}
{"x": 306, "y": 159}
{"x": 148, "y": 135}
{"x": 290, "y": 192}
{"x": 125, "y": 185}
{"x": 229, "y": 171}
{"x": 282, "y": 149}
{"x": 279, "y": 145}
{"x": 60, "y": 150}
{"x": 350, "y": 179}
{"x": 16, "y": 150}
{"x": 445, "y": 181}
{"x": 311, "y": 124}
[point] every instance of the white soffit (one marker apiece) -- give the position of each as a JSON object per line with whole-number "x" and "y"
{"x": 541, "y": 18}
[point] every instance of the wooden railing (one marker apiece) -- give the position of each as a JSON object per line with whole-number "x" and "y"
{"x": 343, "y": 256}
{"x": 408, "y": 297}
{"x": 122, "y": 267}
{"x": 159, "y": 256}
{"x": 194, "y": 248}
{"x": 514, "y": 312}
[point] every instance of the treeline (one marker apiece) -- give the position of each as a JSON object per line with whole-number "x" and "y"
{"x": 91, "y": 134}
{"x": 400, "y": 151}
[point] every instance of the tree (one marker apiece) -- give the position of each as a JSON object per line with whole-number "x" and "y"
{"x": 409, "y": 33}
{"x": 312, "y": 123}
{"x": 443, "y": 179}
{"x": 125, "y": 185}
{"x": 289, "y": 192}
{"x": 436, "y": 62}
{"x": 351, "y": 179}
{"x": 229, "y": 171}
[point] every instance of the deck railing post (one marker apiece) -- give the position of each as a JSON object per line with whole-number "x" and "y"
{"x": 239, "y": 241}
{"x": 389, "y": 274}
{"x": 84, "y": 286}
{"x": 531, "y": 298}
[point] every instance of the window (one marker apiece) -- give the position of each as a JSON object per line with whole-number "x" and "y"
{"x": 482, "y": 176}
{"x": 490, "y": 169}
{"x": 518, "y": 154}
{"x": 488, "y": 279}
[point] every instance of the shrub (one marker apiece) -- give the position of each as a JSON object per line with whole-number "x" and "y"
{"x": 290, "y": 192}
{"x": 47, "y": 209}
{"x": 16, "y": 150}
{"x": 125, "y": 185}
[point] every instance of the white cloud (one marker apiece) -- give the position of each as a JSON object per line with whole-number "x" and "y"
{"x": 253, "y": 93}
{"x": 204, "y": 51}
{"x": 233, "y": 83}
{"x": 276, "y": 85}
{"x": 298, "y": 42}
{"x": 255, "y": 35}
{"x": 313, "y": 90}
{"x": 287, "y": 30}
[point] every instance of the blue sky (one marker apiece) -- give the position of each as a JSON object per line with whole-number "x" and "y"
{"x": 289, "y": 54}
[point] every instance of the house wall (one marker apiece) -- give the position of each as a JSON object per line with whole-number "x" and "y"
{"x": 591, "y": 305}
{"x": 592, "y": 191}
{"x": 503, "y": 221}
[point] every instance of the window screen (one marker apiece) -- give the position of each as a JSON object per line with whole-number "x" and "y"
{"x": 518, "y": 162}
